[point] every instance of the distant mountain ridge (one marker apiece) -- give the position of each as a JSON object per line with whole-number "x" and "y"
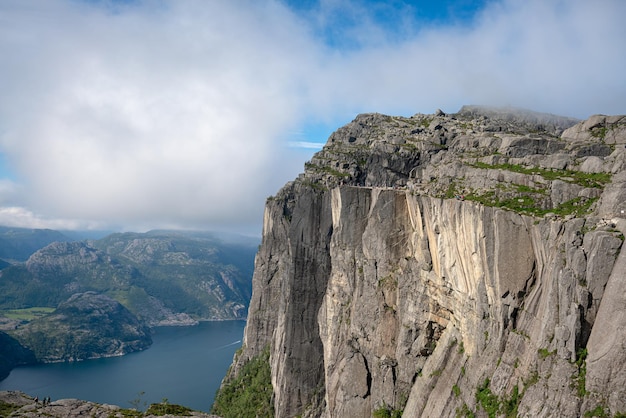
{"x": 157, "y": 275}
{"x": 20, "y": 243}
{"x": 159, "y": 278}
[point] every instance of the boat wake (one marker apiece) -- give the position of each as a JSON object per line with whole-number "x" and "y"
{"x": 228, "y": 345}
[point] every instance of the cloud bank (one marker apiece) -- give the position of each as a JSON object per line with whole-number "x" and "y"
{"x": 178, "y": 113}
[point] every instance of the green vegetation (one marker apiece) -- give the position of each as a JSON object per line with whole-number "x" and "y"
{"x": 487, "y": 399}
{"x": 599, "y": 132}
{"x": 532, "y": 379}
{"x": 527, "y": 205}
{"x": 386, "y": 411}
{"x": 450, "y": 191}
{"x": 580, "y": 377}
{"x": 27, "y": 314}
{"x": 494, "y": 405}
{"x": 425, "y": 122}
{"x": 388, "y": 281}
{"x": 520, "y": 332}
{"x": 315, "y": 185}
{"x": 189, "y": 272}
{"x": 456, "y": 390}
{"x": 325, "y": 169}
{"x": 157, "y": 409}
{"x": 464, "y": 412}
{"x": 165, "y": 408}
{"x": 597, "y": 180}
{"x": 598, "y": 411}
{"x": 87, "y": 325}
{"x": 545, "y": 353}
{"x": 510, "y": 404}
{"x": 7, "y": 408}
{"x": 127, "y": 413}
{"x": 250, "y": 393}
{"x": 138, "y": 402}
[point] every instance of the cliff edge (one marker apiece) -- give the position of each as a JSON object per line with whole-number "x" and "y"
{"x": 464, "y": 264}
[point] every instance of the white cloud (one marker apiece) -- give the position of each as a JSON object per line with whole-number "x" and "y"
{"x": 178, "y": 112}
{"x": 306, "y": 145}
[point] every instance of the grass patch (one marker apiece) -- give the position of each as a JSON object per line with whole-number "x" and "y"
{"x": 495, "y": 406}
{"x": 387, "y": 411}
{"x": 598, "y": 411}
{"x": 425, "y": 122}
{"x": 165, "y": 408}
{"x": 464, "y": 412}
{"x": 7, "y": 408}
{"x": 545, "y": 353}
{"x": 128, "y": 413}
{"x": 487, "y": 399}
{"x": 27, "y": 314}
{"x": 596, "y": 180}
{"x": 525, "y": 204}
{"x": 599, "y": 132}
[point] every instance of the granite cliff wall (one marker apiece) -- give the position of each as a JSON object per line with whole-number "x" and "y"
{"x": 448, "y": 265}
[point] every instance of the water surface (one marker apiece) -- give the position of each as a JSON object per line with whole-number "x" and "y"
{"x": 185, "y": 365}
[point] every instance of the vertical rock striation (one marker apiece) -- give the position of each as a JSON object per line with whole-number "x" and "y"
{"x": 446, "y": 265}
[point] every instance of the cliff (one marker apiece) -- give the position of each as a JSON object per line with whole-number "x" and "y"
{"x": 448, "y": 265}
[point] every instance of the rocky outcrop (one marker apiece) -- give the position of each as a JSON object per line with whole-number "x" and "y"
{"x": 448, "y": 265}
{"x": 18, "y": 404}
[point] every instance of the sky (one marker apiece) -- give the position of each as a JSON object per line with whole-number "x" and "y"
{"x": 131, "y": 115}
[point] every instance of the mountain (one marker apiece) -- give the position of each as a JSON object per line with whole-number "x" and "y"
{"x": 466, "y": 264}
{"x": 87, "y": 325}
{"x": 163, "y": 277}
{"x": 19, "y": 243}
{"x": 79, "y": 300}
{"x": 12, "y": 354}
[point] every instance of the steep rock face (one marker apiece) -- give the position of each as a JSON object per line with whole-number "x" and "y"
{"x": 448, "y": 265}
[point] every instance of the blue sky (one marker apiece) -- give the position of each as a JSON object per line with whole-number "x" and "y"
{"x": 140, "y": 114}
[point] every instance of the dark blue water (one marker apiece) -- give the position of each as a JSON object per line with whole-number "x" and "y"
{"x": 184, "y": 364}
